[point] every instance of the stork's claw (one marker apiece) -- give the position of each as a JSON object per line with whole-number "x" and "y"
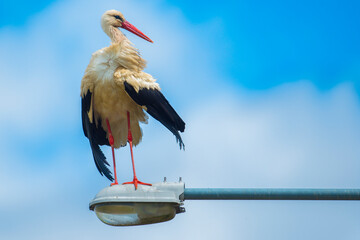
{"x": 136, "y": 182}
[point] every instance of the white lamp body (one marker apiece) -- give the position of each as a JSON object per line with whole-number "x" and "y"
{"x": 122, "y": 205}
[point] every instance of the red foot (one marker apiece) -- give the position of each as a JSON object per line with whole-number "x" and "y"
{"x": 136, "y": 182}
{"x": 114, "y": 183}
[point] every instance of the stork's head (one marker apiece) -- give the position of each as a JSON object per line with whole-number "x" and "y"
{"x": 113, "y": 18}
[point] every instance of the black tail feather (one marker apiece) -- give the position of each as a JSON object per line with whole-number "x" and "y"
{"x": 96, "y": 136}
{"x": 100, "y": 161}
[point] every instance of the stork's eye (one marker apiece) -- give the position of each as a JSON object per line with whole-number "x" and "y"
{"x": 118, "y": 17}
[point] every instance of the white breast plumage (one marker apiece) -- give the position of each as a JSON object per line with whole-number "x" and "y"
{"x": 104, "y": 65}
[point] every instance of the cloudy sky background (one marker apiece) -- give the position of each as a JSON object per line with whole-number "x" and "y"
{"x": 269, "y": 92}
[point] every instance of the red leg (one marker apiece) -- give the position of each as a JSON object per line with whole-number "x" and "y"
{"x": 111, "y": 141}
{"x": 135, "y": 181}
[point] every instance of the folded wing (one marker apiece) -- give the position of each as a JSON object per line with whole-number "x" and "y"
{"x": 159, "y": 108}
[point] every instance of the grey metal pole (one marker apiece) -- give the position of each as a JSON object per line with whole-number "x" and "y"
{"x": 270, "y": 194}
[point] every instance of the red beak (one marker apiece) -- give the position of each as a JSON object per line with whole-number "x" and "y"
{"x": 131, "y": 28}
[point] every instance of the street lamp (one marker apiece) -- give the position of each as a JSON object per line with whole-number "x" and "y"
{"x": 122, "y": 205}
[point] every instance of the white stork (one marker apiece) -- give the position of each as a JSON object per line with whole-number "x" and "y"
{"x": 115, "y": 93}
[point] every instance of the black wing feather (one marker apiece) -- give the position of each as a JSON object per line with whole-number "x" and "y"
{"x": 96, "y": 136}
{"x": 159, "y": 108}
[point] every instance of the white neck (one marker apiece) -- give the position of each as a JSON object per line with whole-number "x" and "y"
{"x": 127, "y": 52}
{"x": 115, "y": 34}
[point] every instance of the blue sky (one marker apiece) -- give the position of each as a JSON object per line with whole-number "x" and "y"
{"x": 278, "y": 41}
{"x": 283, "y": 41}
{"x": 269, "y": 92}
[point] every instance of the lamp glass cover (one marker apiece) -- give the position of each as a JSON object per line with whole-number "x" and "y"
{"x": 136, "y": 213}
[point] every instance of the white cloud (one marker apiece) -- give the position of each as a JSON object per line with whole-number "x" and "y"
{"x": 291, "y": 136}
